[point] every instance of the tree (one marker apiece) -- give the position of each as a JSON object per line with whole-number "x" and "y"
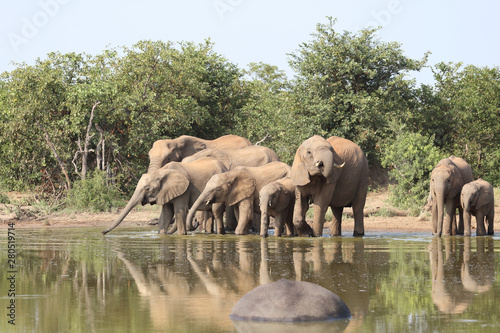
{"x": 410, "y": 159}
{"x": 471, "y": 95}
{"x": 269, "y": 116}
{"x": 35, "y": 137}
{"x": 350, "y": 85}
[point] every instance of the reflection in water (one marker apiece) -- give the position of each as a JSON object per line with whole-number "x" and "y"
{"x": 461, "y": 273}
{"x": 135, "y": 281}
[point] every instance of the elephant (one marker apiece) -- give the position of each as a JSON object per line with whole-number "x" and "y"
{"x": 240, "y": 188}
{"x": 330, "y": 173}
{"x": 277, "y": 199}
{"x": 477, "y": 199}
{"x": 175, "y": 186}
{"x": 252, "y": 156}
{"x": 174, "y": 150}
{"x": 447, "y": 179}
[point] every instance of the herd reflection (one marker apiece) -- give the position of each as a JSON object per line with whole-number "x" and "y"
{"x": 458, "y": 273}
{"x": 191, "y": 283}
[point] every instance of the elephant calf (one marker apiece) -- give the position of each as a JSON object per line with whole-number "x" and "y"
{"x": 477, "y": 199}
{"x": 277, "y": 199}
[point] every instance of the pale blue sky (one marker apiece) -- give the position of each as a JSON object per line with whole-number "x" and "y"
{"x": 247, "y": 31}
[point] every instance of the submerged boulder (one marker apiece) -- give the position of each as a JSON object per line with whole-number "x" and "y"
{"x": 290, "y": 301}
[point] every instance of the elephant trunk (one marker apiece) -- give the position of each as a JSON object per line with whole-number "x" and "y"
{"x": 440, "y": 213}
{"x": 467, "y": 222}
{"x": 325, "y": 162}
{"x": 155, "y": 162}
{"x": 134, "y": 201}
{"x": 264, "y": 217}
{"x": 190, "y": 216}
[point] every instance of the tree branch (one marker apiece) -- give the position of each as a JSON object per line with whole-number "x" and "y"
{"x": 54, "y": 152}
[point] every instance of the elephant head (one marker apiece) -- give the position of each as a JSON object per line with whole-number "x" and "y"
{"x": 315, "y": 157}
{"x": 469, "y": 198}
{"x": 229, "y": 187}
{"x": 158, "y": 187}
{"x": 165, "y": 151}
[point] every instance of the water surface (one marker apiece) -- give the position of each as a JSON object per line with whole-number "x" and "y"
{"x": 133, "y": 280}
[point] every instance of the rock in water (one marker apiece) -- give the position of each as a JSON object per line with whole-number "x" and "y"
{"x": 290, "y": 301}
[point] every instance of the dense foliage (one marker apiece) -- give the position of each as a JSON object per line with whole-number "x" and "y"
{"x": 69, "y": 114}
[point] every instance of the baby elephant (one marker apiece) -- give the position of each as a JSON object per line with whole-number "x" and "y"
{"x": 277, "y": 199}
{"x": 477, "y": 199}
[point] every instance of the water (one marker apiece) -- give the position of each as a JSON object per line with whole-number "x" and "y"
{"x": 75, "y": 280}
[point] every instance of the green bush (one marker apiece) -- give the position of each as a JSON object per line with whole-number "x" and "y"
{"x": 4, "y": 199}
{"x": 411, "y": 158}
{"x": 93, "y": 194}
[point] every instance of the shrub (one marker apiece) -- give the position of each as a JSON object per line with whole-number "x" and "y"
{"x": 93, "y": 194}
{"x": 411, "y": 158}
{"x": 4, "y": 199}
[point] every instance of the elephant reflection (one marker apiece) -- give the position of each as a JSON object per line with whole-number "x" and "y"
{"x": 461, "y": 273}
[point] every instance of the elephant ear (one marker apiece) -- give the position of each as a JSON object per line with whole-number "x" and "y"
{"x": 242, "y": 187}
{"x": 191, "y": 145}
{"x": 299, "y": 174}
{"x": 483, "y": 197}
{"x": 174, "y": 184}
{"x": 457, "y": 181}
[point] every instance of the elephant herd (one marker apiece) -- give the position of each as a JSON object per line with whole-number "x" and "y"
{"x": 248, "y": 184}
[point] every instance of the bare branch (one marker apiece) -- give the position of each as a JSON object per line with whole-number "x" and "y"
{"x": 264, "y": 139}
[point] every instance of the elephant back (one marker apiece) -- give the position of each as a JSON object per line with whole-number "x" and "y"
{"x": 229, "y": 142}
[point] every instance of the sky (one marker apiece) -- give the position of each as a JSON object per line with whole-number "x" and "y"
{"x": 246, "y": 31}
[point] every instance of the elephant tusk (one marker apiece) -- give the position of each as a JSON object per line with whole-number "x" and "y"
{"x": 319, "y": 164}
{"x": 339, "y": 166}
{"x": 207, "y": 203}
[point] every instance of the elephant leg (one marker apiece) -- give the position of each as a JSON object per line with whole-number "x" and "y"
{"x": 166, "y": 217}
{"x": 336, "y": 227}
{"x": 461, "y": 227}
{"x": 279, "y": 222}
{"x": 245, "y": 216}
{"x": 299, "y": 216}
{"x": 290, "y": 230}
{"x": 481, "y": 230}
{"x": 489, "y": 218}
{"x": 180, "y": 218}
{"x": 231, "y": 222}
{"x": 319, "y": 219}
{"x": 218, "y": 211}
{"x": 448, "y": 218}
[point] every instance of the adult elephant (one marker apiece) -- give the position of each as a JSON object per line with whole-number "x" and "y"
{"x": 447, "y": 180}
{"x": 477, "y": 199}
{"x": 277, "y": 199}
{"x": 174, "y": 150}
{"x": 176, "y": 186}
{"x": 240, "y": 188}
{"x": 330, "y": 173}
{"x": 252, "y": 156}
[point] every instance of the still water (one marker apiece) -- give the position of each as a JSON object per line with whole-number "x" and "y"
{"x": 76, "y": 280}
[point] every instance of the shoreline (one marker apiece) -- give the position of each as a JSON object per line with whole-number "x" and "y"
{"x": 377, "y": 205}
